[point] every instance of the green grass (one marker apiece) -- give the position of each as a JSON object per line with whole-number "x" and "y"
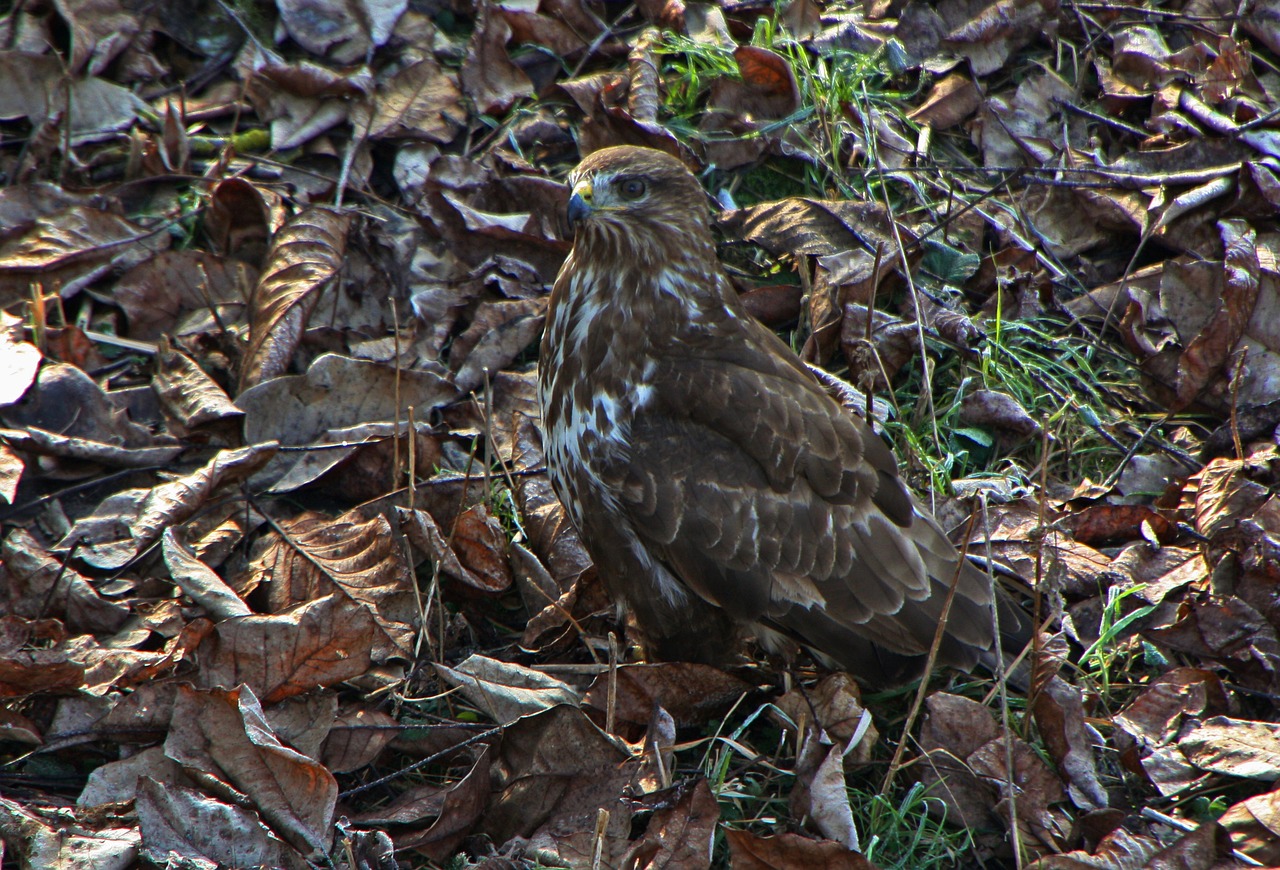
{"x": 899, "y": 833}
{"x": 1063, "y": 380}
{"x": 838, "y": 91}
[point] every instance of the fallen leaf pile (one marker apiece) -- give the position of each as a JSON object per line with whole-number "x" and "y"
{"x": 285, "y": 583}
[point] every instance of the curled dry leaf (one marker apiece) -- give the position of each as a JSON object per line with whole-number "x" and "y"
{"x": 223, "y": 736}
{"x": 1060, "y": 716}
{"x": 505, "y": 691}
{"x": 188, "y": 394}
{"x": 820, "y": 794}
{"x": 41, "y": 586}
{"x": 187, "y": 822}
{"x": 73, "y": 248}
{"x": 241, "y": 219}
{"x": 999, "y": 411}
{"x": 305, "y": 257}
{"x": 200, "y": 582}
{"x": 125, "y": 524}
{"x": 472, "y": 555}
{"x": 835, "y": 706}
{"x": 1207, "y": 353}
{"x": 42, "y": 443}
{"x": 951, "y": 99}
{"x": 488, "y": 75}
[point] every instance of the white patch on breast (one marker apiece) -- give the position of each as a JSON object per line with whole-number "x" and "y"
{"x": 677, "y": 285}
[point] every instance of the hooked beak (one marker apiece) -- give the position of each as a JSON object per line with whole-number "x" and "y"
{"x": 580, "y": 201}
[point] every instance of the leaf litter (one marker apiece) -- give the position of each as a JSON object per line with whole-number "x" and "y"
{"x": 286, "y": 584}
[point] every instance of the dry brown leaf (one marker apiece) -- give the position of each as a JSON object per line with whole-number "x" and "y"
{"x": 41, "y": 586}
{"x": 503, "y": 691}
{"x": 120, "y": 780}
{"x": 1060, "y": 717}
{"x": 820, "y": 794}
{"x": 552, "y": 774}
{"x": 679, "y": 833}
{"x": 357, "y": 738}
{"x": 100, "y": 30}
{"x": 1156, "y": 715}
{"x": 1254, "y": 826}
{"x": 346, "y": 30}
{"x": 482, "y": 571}
{"x": 954, "y": 729}
{"x": 30, "y": 663}
{"x": 306, "y": 255}
{"x": 691, "y": 693}
{"x": 183, "y": 292}
{"x": 835, "y": 706}
{"x": 54, "y": 842}
{"x": 999, "y": 411}
{"x": 420, "y": 101}
{"x": 455, "y": 808}
{"x": 1235, "y": 747}
{"x": 488, "y": 76}
{"x": 749, "y": 852}
{"x": 1230, "y": 632}
{"x": 223, "y": 737}
{"x": 314, "y": 556}
{"x": 186, "y": 822}
{"x": 951, "y": 99}
{"x": 199, "y": 581}
{"x": 187, "y": 392}
{"x": 498, "y": 333}
{"x": 98, "y": 108}
{"x": 127, "y": 523}
{"x": 335, "y": 393}
{"x": 1209, "y": 351}
{"x": 319, "y": 643}
{"x": 42, "y": 443}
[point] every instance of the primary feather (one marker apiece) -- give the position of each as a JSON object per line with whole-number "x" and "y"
{"x": 716, "y": 484}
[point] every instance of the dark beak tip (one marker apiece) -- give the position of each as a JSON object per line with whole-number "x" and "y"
{"x": 578, "y": 208}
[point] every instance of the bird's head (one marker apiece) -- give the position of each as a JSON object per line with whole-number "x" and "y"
{"x": 638, "y": 196}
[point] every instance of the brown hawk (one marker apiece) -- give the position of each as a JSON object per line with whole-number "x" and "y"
{"x": 716, "y": 484}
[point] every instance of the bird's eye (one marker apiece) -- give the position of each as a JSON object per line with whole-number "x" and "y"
{"x": 633, "y": 188}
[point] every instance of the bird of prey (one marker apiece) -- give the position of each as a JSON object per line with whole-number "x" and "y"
{"x": 717, "y": 485}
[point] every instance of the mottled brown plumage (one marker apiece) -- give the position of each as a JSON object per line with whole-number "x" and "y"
{"x": 714, "y": 481}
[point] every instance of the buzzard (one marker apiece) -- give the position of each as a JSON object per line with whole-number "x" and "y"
{"x": 717, "y": 485}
